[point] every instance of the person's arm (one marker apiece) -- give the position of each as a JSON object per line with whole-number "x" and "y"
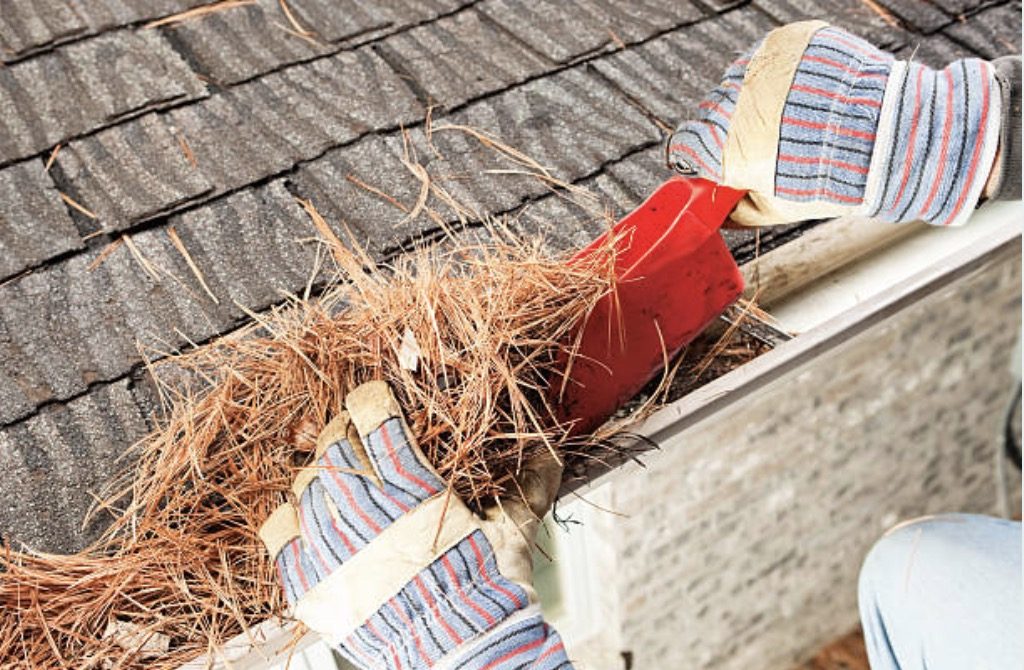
{"x": 815, "y": 122}
{"x": 1004, "y": 182}
{"x": 397, "y": 573}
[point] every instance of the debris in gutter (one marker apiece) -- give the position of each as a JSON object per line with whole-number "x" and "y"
{"x": 182, "y": 557}
{"x": 469, "y": 332}
{"x": 135, "y": 639}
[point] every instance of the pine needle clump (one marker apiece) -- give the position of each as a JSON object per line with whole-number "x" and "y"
{"x": 468, "y": 335}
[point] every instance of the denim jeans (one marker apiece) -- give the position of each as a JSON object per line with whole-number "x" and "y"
{"x": 944, "y": 593}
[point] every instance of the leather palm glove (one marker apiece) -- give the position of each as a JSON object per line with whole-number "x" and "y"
{"x": 396, "y": 572}
{"x": 815, "y": 122}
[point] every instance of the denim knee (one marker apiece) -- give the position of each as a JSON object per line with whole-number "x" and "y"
{"x": 942, "y": 590}
{"x": 934, "y": 548}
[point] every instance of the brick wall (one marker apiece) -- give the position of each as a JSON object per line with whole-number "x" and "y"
{"x": 743, "y": 536}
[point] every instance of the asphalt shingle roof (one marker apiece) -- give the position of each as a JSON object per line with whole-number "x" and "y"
{"x": 213, "y": 127}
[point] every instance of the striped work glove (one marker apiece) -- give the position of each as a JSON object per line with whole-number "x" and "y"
{"x": 396, "y": 573}
{"x": 815, "y": 122}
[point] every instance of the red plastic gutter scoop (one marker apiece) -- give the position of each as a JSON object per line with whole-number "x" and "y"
{"x": 674, "y": 275}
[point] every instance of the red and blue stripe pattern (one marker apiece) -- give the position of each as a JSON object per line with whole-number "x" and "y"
{"x": 459, "y": 601}
{"x": 368, "y": 508}
{"x": 935, "y": 170}
{"x": 929, "y": 164}
{"x": 456, "y": 599}
{"x": 529, "y": 644}
{"x": 696, "y": 147}
{"x": 341, "y": 511}
{"x": 295, "y": 572}
{"x": 829, "y": 120}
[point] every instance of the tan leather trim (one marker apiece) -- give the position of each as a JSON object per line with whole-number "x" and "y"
{"x": 339, "y": 428}
{"x": 757, "y": 210}
{"x": 370, "y": 405}
{"x": 350, "y": 595}
{"x": 280, "y": 528}
{"x": 303, "y": 480}
{"x": 752, "y": 145}
{"x": 335, "y": 430}
{"x": 511, "y": 528}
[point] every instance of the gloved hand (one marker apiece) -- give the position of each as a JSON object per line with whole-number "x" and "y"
{"x": 815, "y": 122}
{"x": 397, "y": 573}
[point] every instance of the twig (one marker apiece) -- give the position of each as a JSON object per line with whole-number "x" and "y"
{"x": 198, "y": 13}
{"x": 180, "y": 246}
{"x": 616, "y": 40}
{"x": 292, "y": 20}
{"x": 52, "y": 158}
{"x": 376, "y": 191}
{"x": 885, "y": 14}
{"x": 150, "y": 269}
{"x": 313, "y": 41}
{"x": 187, "y": 150}
{"x": 102, "y": 256}
{"x": 333, "y": 241}
{"x": 81, "y": 208}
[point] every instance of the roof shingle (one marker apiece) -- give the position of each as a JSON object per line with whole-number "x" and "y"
{"x": 564, "y": 30}
{"x": 461, "y": 57}
{"x": 671, "y": 74}
{"x": 337, "y": 21}
{"x": 34, "y": 224}
{"x": 132, "y": 172}
{"x": 31, "y": 26}
{"x": 566, "y": 122}
{"x": 88, "y": 85}
{"x": 55, "y": 462}
{"x": 856, "y": 16}
{"x": 991, "y": 33}
{"x": 238, "y": 45}
{"x": 27, "y": 25}
{"x": 71, "y": 325}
